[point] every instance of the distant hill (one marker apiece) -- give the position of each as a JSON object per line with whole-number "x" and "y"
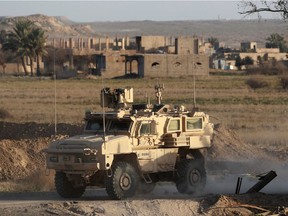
{"x": 55, "y": 26}
{"x": 232, "y": 32}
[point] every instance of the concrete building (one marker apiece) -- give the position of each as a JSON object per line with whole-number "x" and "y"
{"x": 186, "y": 60}
{"x": 186, "y": 45}
{"x": 224, "y": 64}
{"x": 174, "y": 65}
{"x": 152, "y": 56}
{"x": 248, "y": 46}
{"x": 148, "y": 44}
{"x": 265, "y": 53}
{"x": 16, "y": 68}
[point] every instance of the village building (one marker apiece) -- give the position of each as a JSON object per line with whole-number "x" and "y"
{"x": 142, "y": 56}
{"x": 184, "y": 59}
{"x": 227, "y": 61}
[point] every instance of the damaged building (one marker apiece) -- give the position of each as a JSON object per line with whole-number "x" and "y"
{"x": 172, "y": 58}
{"x": 145, "y": 56}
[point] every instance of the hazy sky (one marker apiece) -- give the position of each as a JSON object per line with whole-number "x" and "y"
{"x": 87, "y": 11}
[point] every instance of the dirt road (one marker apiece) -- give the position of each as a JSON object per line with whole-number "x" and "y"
{"x": 96, "y": 202}
{"x": 163, "y": 201}
{"x": 22, "y": 168}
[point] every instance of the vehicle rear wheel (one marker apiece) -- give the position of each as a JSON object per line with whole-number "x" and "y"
{"x": 65, "y": 188}
{"x": 191, "y": 176}
{"x": 123, "y": 182}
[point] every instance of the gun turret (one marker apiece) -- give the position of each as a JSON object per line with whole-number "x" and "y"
{"x": 116, "y": 98}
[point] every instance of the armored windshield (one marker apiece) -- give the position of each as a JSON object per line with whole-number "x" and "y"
{"x": 94, "y": 125}
{"x": 119, "y": 125}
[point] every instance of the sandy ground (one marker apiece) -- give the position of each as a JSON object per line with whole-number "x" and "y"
{"x": 162, "y": 201}
{"x": 22, "y": 170}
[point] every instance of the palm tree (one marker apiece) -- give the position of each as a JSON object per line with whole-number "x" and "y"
{"x": 3, "y": 35}
{"x": 38, "y": 42}
{"x": 213, "y": 41}
{"x": 276, "y": 41}
{"x": 26, "y": 40}
{"x": 18, "y": 41}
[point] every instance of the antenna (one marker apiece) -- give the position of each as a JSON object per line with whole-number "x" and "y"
{"x": 103, "y": 112}
{"x": 158, "y": 92}
{"x": 194, "y": 84}
{"x": 147, "y": 100}
{"x": 55, "y": 96}
{"x": 194, "y": 88}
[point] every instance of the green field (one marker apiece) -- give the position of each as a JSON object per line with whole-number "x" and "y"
{"x": 258, "y": 116}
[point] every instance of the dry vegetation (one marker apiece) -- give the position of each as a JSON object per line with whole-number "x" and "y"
{"x": 256, "y": 114}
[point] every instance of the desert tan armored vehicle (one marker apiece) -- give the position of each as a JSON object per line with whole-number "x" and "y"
{"x": 129, "y": 149}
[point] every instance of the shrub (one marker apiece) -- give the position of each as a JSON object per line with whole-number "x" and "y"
{"x": 268, "y": 68}
{"x": 284, "y": 82}
{"x": 4, "y": 114}
{"x": 256, "y": 84}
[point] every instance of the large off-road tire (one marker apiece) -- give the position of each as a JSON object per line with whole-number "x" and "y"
{"x": 123, "y": 181}
{"x": 65, "y": 188}
{"x": 191, "y": 177}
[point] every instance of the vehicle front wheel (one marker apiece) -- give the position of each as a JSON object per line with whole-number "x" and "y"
{"x": 123, "y": 182}
{"x": 65, "y": 188}
{"x": 191, "y": 176}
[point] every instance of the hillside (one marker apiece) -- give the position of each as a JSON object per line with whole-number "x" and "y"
{"x": 54, "y": 26}
{"x": 232, "y": 32}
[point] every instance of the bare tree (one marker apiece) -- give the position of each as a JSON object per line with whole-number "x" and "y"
{"x": 257, "y": 7}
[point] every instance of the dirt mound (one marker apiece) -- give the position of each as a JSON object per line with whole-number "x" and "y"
{"x": 223, "y": 205}
{"x": 246, "y": 204}
{"x": 32, "y": 130}
{"x": 230, "y": 155}
{"x": 226, "y": 145}
{"x": 21, "y": 155}
{"x": 20, "y": 158}
{"x": 21, "y": 144}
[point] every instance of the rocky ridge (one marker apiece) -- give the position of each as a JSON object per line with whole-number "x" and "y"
{"x": 54, "y": 26}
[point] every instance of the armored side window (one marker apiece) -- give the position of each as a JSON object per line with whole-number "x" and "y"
{"x": 147, "y": 128}
{"x": 194, "y": 124}
{"x": 174, "y": 125}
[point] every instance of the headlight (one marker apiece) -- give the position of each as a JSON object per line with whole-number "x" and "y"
{"x": 88, "y": 151}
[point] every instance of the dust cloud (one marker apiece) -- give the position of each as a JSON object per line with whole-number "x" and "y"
{"x": 222, "y": 178}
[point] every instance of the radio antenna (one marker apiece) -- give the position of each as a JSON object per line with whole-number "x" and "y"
{"x": 103, "y": 112}
{"x": 194, "y": 84}
{"x": 158, "y": 89}
{"x": 194, "y": 89}
{"x": 55, "y": 96}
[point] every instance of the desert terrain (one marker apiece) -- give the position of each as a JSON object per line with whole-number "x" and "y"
{"x": 250, "y": 139}
{"x": 231, "y": 32}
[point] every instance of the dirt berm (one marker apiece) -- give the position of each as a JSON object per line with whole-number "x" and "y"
{"x": 21, "y": 145}
{"x": 22, "y": 168}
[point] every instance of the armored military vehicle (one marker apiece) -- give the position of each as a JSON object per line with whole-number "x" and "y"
{"x": 132, "y": 147}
